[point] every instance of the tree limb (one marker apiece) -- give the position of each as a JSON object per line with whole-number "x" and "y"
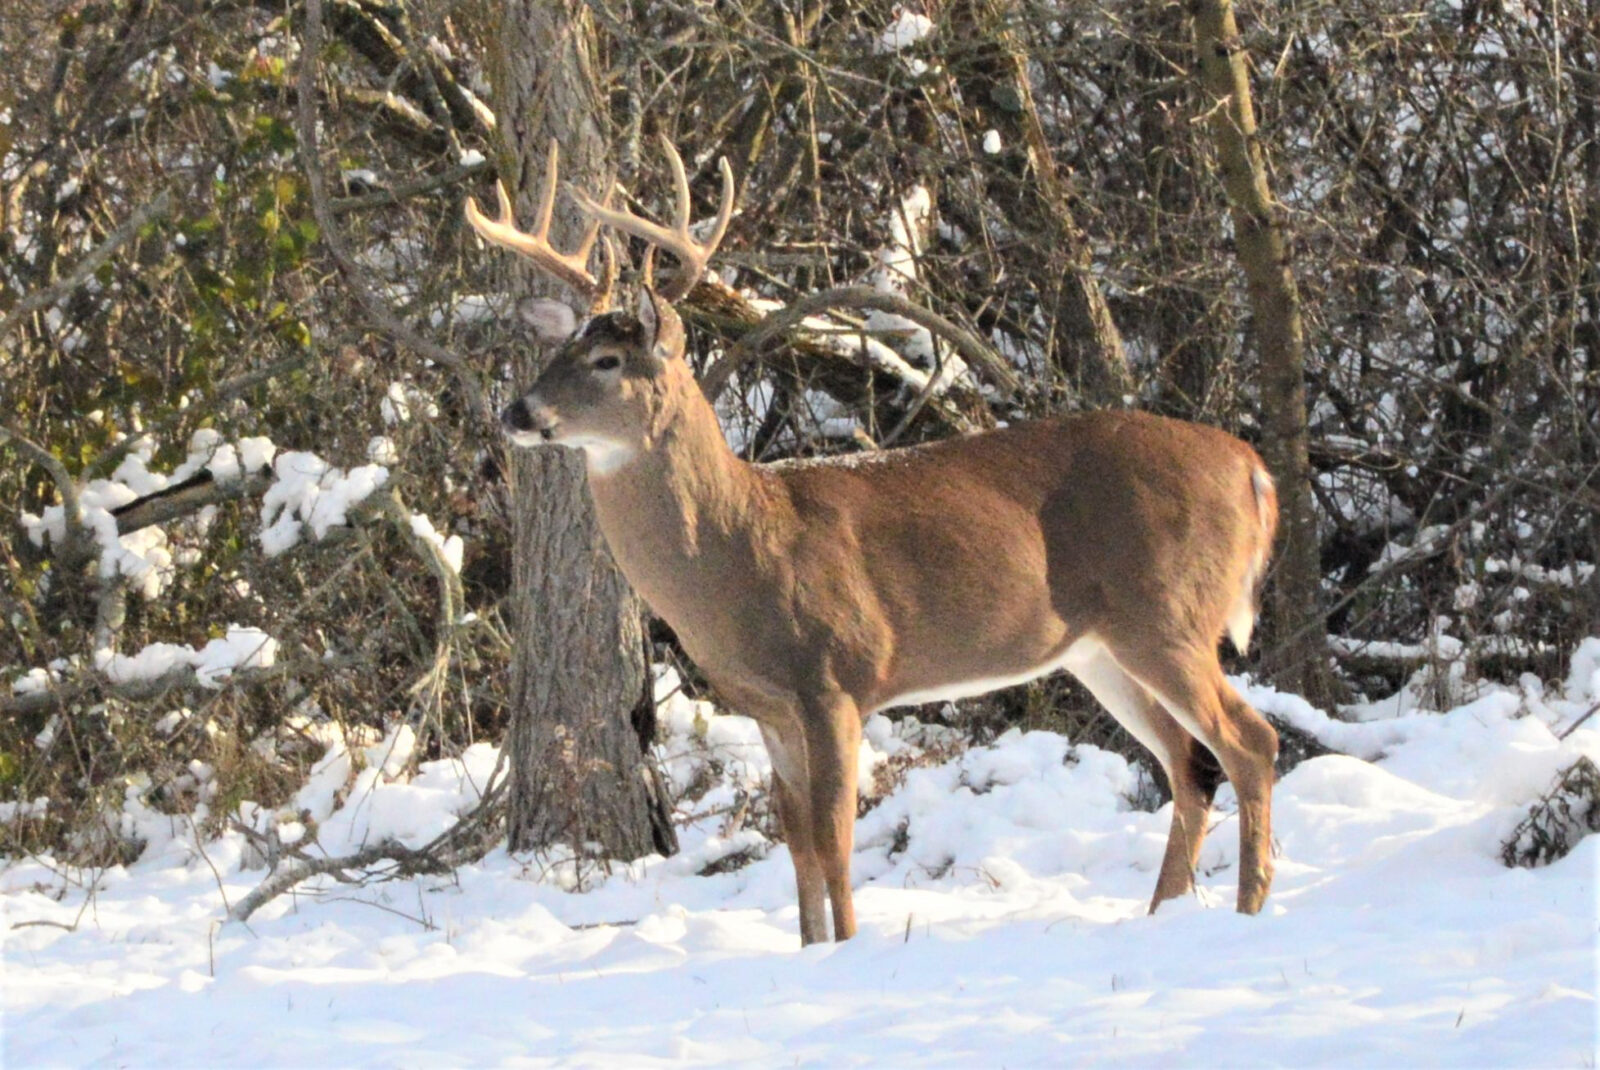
{"x": 968, "y": 345}
{"x": 430, "y": 687}
{"x": 302, "y": 868}
{"x": 460, "y": 842}
{"x": 401, "y": 191}
{"x": 58, "y": 472}
{"x": 185, "y": 499}
{"x": 182, "y": 678}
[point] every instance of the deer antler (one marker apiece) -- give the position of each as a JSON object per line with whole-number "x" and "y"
{"x": 676, "y": 240}
{"x": 571, "y": 268}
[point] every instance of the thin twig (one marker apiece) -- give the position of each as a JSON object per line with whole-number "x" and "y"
{"x": 1573, "y": 727}
{"x": 65, "y": 486}
{"x": 49, "y": 295}
{"x": 379, "y": 312}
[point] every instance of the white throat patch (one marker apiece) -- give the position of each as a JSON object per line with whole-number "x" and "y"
{"x": 605, "y": 455}
{"x": 525, "y": 438}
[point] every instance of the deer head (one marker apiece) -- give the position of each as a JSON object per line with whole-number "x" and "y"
{"x": 606, "y": 388}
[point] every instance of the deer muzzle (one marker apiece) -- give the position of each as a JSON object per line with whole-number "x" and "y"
{"x": 523, "y": 420}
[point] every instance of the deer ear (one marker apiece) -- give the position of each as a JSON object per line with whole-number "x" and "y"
{"x": 551, "y": 320}
{"x": 663, "y": 330}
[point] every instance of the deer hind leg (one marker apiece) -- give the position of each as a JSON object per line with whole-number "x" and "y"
{"x": 1189, "y": 683}
{"x": 833, "y": 742}
{"x": 1253, "y": 784}
{"x": 1192, "y": 771}
{"x": 787, "y": 749}
{"x": 1194, "y": 778}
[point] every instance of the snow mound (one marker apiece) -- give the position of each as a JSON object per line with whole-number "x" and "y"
{"x": 1001, "y": 896}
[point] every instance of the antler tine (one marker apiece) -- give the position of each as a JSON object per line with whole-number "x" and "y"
{"x": 571, "y": 268}
{"x": 547, "y": 208}
{"x": 680, "y": 186}
{"x": 647, "y": 270}
{"x": 502, "y": 200}
{"x": 692, "y": 255}
{"x": 725, "y": 209}
{"x": 547, "y": 197}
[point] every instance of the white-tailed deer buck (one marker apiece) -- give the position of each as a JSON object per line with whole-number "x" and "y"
{"x": 1115, "y": 545}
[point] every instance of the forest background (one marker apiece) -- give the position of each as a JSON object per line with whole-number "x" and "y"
{"x": 210, "y": 251}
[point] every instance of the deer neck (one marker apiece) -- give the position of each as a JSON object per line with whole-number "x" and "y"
{"x": 679, "y": 513}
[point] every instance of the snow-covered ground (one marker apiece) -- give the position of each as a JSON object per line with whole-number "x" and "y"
{"x": 1000, "y": 894}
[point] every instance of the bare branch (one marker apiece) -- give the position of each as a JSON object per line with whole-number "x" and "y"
{"x": 185, "y": 499}
{"x": 380, "y": 313}
{"x": 969, "y": 346}
{"x": 302, "y": 868}
{"x": 401, "y": 191}
{"x": 466, "y": 839}
{"x": 155, "y": 209}
{"x": 65, "y": 486}
{"x": 429, "y": 688}
{"x": 1573, "y": 727}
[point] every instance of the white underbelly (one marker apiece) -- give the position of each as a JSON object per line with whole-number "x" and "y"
{"x": 1078, "y": 652}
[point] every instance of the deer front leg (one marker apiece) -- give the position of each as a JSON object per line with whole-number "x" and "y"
{"x": 833, "y": 740}
{"x": 788, "y": 752}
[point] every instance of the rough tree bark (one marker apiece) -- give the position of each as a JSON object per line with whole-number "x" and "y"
{"x": 1297, "y": 647}
{"x": 581, "y": 772}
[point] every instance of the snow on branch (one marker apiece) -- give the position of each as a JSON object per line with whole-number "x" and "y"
{"x": 969, "y": 346}
{"x": 304, "y": 497}
{"x": 143, "y": 677}
{"x": 311, "y": 495}
{"x": 142, "y": 556}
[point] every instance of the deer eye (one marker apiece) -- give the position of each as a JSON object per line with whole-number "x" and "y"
{"x": 607, "y": 363}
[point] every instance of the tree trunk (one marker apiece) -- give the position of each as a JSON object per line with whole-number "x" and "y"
{"x": 994, "y": 80}
{"x": 581, "y": 772}
{"x": 1297, "y": 650}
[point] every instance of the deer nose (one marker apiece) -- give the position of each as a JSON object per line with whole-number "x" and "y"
{"x": 524, "y": 416}
{"x": 517, "y": 416}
